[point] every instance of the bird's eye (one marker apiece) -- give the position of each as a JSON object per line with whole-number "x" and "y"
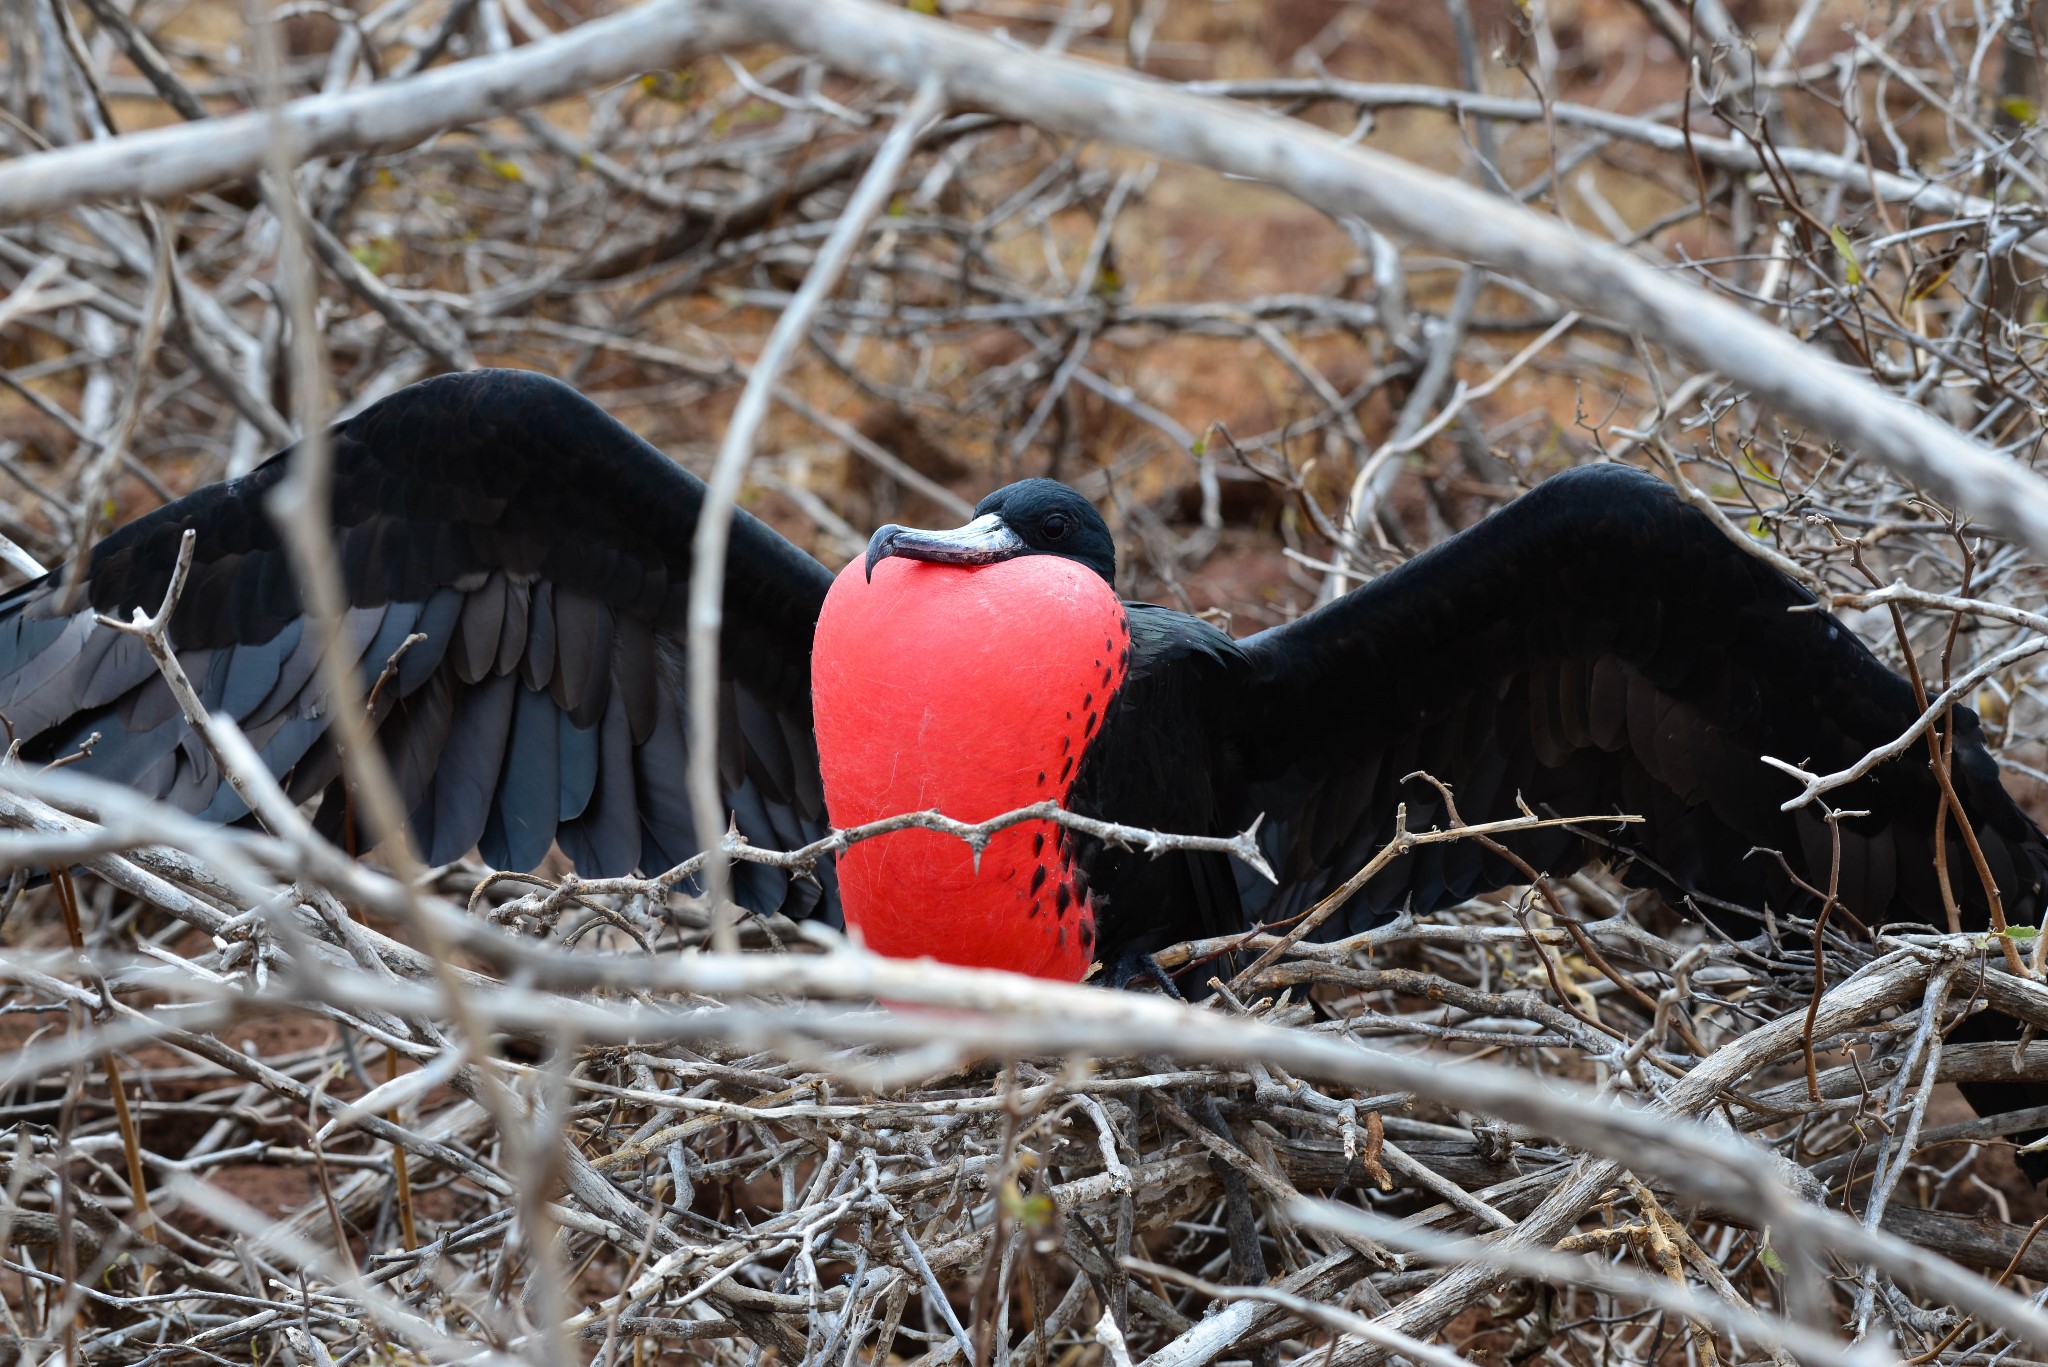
{"x": 1055, "y": 525}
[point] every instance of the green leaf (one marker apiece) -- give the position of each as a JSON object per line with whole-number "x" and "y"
{"x": 2022, "y": 933}
{"x": 2020, "y": 108}
{"x": 377, "y": 255}
{"x": 1769, "y": 1259}
{"x": 1034, "y": 1211}
{"x": 1846, "y": 249}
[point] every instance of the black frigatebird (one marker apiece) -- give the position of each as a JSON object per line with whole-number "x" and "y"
{"x": 1597, "y": 646}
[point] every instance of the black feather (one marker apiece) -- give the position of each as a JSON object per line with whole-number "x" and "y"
{"x": 471, "y": 763}
{"x": 437, "y": 622}
{"x": 522, "y": 825}
{"x": 255, "y": 669}
{"x": 578, "y": 746}
{"x": 605, "y": 839}
{"x": 668, "y": 832}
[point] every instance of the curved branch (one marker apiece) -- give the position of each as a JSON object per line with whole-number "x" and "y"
{"x": 1085, "y": 99}
{"x": 1816, "y": 784}
{"x": 160, "y": 163}
{"x": 1342, "y": 179}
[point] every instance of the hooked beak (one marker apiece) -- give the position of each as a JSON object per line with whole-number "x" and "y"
{"x": 983, "y": 541}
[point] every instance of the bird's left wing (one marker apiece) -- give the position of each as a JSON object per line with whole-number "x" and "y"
{"x": 1597, "y": 647}
{"x": 542, "y": 551}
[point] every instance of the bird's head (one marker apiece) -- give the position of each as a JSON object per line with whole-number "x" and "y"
{"x": 1032, "y": 517}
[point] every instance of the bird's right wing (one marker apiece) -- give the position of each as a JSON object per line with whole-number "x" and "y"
{"x": 1599, "y": 646}
{"x": 543, "y": 552}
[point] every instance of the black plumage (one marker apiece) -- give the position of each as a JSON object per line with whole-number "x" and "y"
{"x": 543, "y": 552}
{"x": 1597, "y": 646}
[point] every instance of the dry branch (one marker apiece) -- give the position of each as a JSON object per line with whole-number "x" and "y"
{"x": 162, "y": 163}
{"x": 907, "y": 49}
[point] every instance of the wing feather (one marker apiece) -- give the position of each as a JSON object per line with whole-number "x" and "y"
{"x": 64, "y": 640}
{"x": 604, "y": 840}
{"x": 468, "y": 781}
{"x": 538, "y": 666}
{"x": 254, "y": 671}
{"x": 1641, "y": 662}
{"x": 542, "y": 550}
{"x": 663, "y": 795}
{"x": 581, "y": 678}
{"x": 419, "y": 732}
{"x": 529, "y": 798}
{"x": 579, "y": 751}
{"x": 476, "y": 640}
{"x": 437, "y": 621}
{"x": 512, "y": 634}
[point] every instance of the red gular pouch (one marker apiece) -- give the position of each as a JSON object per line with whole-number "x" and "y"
{"x": 972, "y": 691}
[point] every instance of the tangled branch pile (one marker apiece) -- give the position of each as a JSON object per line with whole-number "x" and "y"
{"x": 262, "y": 1101}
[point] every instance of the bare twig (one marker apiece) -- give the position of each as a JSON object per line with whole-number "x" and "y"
{"x": 714, "y": 520}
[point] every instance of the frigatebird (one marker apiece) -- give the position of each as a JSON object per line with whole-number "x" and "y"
{"x": 1597, "y": 647}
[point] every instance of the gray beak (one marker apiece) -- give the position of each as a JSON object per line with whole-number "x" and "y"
{"x": 983, "y": 541}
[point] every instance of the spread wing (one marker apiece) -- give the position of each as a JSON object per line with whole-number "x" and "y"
{"x": 1600, "y": 647}
{"x": 543, "y": 551}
